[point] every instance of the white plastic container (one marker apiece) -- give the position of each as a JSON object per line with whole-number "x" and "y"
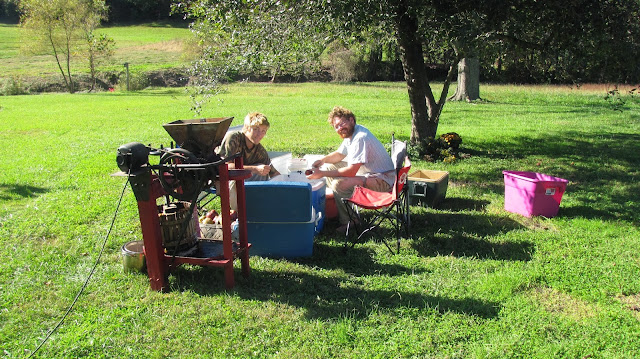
{"x": 297, "y": 165}
{"x": 280, "y": 160}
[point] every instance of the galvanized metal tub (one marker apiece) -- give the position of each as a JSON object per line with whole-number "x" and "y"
{"x": 133, "y": 256}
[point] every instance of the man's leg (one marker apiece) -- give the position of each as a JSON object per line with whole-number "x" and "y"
{"x": 377, "y": 184}
{"x": 342, "y": 187}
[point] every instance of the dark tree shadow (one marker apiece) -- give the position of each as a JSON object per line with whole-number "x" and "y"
{"x": 10, "y": 191}
{"x": 356, "y": 261}
{"x": 325, "y": 297}
{"x": 463, "y": 235}
{"x": 602, "y": 171}
{"x": 457, "y": 204}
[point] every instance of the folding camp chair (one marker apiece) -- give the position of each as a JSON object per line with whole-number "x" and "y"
{"x": 391, "y": 207}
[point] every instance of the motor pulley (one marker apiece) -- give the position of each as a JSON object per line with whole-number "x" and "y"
{"x": 132, "y": 156}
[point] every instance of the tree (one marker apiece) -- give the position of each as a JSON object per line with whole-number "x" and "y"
{"x": 572, "y": 41}
{"x": 468, "y": 84}
{"x": 255, "y": 37}
{"x": 62, "y": 26}
{"x": 407, "y": 21}
{"x": 552, "y": 35}
{"x": 568, "y": 39}
{"x": 418, "y": 27}
{"x": 96, "y": 46}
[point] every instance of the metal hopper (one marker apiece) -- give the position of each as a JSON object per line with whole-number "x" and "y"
{"x": 200, "y": 136}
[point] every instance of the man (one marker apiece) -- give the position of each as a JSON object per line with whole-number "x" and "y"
{"x": 361, "y": 160}
{"x": 254, "y": 155}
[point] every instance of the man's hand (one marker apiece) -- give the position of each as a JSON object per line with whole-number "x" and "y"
{"x": 317, "y": 163}
{"x": 316, "y": 173}
{"x": 261, "y": 170}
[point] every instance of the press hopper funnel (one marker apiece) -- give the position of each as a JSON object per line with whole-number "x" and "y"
{"x": 200, "y": 136}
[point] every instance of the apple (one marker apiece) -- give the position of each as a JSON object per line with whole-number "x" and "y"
{"x": 212, "y": 214}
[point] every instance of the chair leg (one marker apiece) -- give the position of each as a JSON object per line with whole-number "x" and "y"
{"x": 407, "y": 214}
{"x": 353, "y": 218}
{"x": 402, "y": 219}
{"x": 397, "y": 219}
{"x": 399, "y": 223}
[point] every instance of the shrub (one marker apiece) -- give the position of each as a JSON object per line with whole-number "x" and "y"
{"x": 341, "y": 62}
{"x": 445, "y": 148}
{"x": 12, "y": 86}
{"x": 137, "y": 81}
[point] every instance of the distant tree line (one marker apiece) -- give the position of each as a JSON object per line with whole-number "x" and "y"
{"x": 120, "y": 11}
{"x": 9, "y": 11}
{"x": 553, "y": 41}
{"x": 134, "y": 11}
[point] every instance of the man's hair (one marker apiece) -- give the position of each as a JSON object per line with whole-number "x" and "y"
{"x": 340, "y": 112}
{"x": 254, "y": 119}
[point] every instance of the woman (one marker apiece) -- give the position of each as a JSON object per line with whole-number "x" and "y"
{"x": 254, "y": 155}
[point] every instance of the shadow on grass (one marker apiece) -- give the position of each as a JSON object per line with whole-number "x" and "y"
{"x": 457, "y": 204}
{"x": 342, "y": 293}
{"x": 464, "y": 235}
{"x": 330, "y": 297}
{"x": 357, "y": 261}
{"x": 157, "y": 91}
{"x": 602, "y": 169}
{"x": 10, "y": 191}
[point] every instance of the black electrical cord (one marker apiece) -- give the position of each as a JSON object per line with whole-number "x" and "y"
{"x": 88, "y": 277}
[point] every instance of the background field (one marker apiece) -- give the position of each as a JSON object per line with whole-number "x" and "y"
{"x": 473, "y": 281}
{"x": 145, "y": 47}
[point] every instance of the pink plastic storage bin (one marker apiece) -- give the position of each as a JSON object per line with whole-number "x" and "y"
{"x": 533, "y": 194}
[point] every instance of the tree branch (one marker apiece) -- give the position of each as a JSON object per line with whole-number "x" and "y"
{"x": 447, "y": 82}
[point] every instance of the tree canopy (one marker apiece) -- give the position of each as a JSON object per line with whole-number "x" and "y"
{"x": 522, "y": 40}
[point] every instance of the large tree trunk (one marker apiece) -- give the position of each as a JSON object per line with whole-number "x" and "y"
{"x": 424, "y": 110}
{"x": 468, "y": 88}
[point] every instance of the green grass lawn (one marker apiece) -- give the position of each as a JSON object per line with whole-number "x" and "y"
{"x": 473, "y": 281}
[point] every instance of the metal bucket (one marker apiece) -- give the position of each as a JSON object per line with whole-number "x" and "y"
{"x": 133, "y": 256}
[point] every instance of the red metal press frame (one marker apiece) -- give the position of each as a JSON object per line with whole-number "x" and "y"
{"x": 159, "y": 264}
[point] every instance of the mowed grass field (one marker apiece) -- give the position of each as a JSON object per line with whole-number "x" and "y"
{"x": 473, "y": 281}
{"x": 144, "y": 47}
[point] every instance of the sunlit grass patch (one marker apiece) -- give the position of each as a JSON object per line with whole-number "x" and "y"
{"x": 563, "y": 304}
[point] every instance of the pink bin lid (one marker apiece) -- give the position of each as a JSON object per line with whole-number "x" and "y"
{"x": 534, "y": 176}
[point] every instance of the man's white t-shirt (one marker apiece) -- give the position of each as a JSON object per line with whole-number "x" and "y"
{"x": 364, "y": 148}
